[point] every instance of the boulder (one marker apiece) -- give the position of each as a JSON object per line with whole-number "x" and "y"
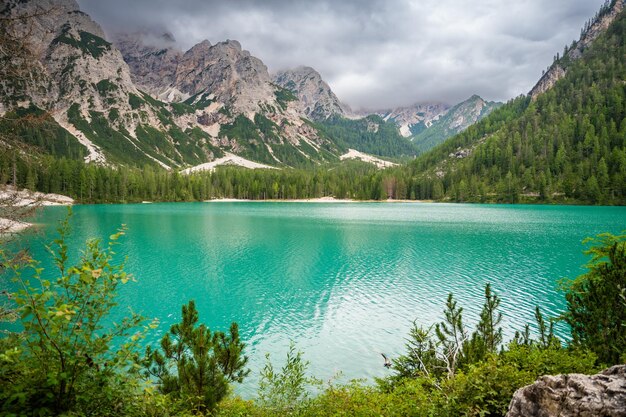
{"x": 573, "y": 395}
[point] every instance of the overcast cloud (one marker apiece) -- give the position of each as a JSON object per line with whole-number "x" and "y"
{"x": 376, "y": 53}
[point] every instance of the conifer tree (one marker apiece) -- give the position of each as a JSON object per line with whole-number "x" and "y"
{"x": 195, "y": 364}
{"x": 595, "y": 307}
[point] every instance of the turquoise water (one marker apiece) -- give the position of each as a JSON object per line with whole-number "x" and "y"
{"x": 343, "y": 281}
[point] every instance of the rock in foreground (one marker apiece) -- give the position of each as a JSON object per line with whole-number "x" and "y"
{"x": 573, "y": 395}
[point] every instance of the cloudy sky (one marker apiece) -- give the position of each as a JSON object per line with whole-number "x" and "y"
{"x": 377, "y": 53}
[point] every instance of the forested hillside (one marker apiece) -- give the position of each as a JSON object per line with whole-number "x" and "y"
{"x": 567, "y": 145}
{"x": 370, "y": 134}
{"x": 455, "y": 120}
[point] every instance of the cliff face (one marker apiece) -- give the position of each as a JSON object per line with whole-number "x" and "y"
{"x": 152, "y": 60}
{"x": 70, "y": 55}
{"x": 573, "y": 395}
{"x": 225, "y": 71}
{"x": 231, "y": 74}
{"x": 69, "y": 70}
{"x": 153, "y": 104}
{"x": 559, "y": 68}
{"x": 217, "y": 84}
{"x": 316, "y": 100}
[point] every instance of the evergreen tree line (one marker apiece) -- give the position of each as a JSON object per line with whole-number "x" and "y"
{"x": 89, "y": 183}
{"x": 568, "y": 144}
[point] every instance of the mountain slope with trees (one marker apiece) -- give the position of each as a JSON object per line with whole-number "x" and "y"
{"x": 454, "y": 120}
{"x": 567, "y": 144}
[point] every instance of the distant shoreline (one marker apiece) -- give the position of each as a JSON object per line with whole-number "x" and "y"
{"x": 312, "y": 200}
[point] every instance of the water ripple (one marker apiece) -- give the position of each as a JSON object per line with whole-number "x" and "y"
{"x": 342, "y": 281}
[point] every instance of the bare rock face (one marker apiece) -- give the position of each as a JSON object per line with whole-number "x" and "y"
{"x": 573, "y": 395}
{"x": 231, "y": 74}
{"x": 221, "y": 82}
{"x": 465, "y": 114}
{"x": 74, "y": 61}
{"x": 418, "y": 116}
{"x": 228, "y": 73}
{"x": 556, "y": 71}
{"x": 152, "y": 59}
{"x": 316, "y": 98}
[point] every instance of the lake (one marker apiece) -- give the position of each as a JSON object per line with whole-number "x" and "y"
{"x": 343, "y": 281}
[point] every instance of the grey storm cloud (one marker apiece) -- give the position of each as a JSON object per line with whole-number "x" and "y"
{"x": 376, "y": 53}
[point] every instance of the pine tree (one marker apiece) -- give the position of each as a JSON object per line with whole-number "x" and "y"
{"x": 451, "y": 334}
{"x": 196, "y": 365}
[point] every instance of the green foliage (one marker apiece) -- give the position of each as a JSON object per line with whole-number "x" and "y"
{"x": 284, "y": 96}
{"x": 568, "y": 145}
{"x": 488, "y": 336}
{"x": 64, "y": 360}
{"x": 199, "y": 101}
{"x": 88, "y": 43}
{"x": 245, "y": 132}
{"x": 195, "y": 365}
{"x": 38, "y": 129}
{"x": 425, "y": 139}
{"x": 135, "y": 101}
{"x": 595, "y": 308}
{"x": 371, "y": 135}
{"x": 180, "y": 109}
{"x": 116, "y": 144}
{"x": 451, "y": 335}
{"x": 105, "y": 86}
{"x": 283, "y": 391}
{"x": 420, "y": 358}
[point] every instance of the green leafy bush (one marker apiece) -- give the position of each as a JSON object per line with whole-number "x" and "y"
{"x": 65, "y": 359}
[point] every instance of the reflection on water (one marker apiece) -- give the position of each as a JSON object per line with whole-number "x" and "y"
{"x": 344, "y": 281}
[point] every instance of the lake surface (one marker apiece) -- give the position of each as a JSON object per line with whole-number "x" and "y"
{"x": 343, "y": 281}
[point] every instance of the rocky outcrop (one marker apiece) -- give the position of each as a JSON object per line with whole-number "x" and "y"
{"x": 153, "y": 60}
{"x": 225, "y": 71}
{"x": 573, "y": 395}
{"x": 416, "y": 118}
{"x": 316, "y": 100}
{"x": 230, "y": 73}
{"x": 598, "y": 26}
{"x": 218, "y": 83}
{"x": 469, "y": 112}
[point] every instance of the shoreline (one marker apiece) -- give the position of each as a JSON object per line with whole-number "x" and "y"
{"x": 26, "y": 199}
{"x": 312, "y": 200}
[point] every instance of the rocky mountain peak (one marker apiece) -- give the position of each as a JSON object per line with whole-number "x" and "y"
{"x": 231, "y": 43}
{"x": 454, "y": 120}
{"x": 316, "y": 98}
{"x": 200, "y": 48}
{"x": 152, "y": 59}
{"x": 416, "y": 118}
{"x": 51, "y": 16}
{"x": 590, "y": 33}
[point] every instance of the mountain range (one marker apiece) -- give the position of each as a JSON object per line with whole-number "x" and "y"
{"x": 138, "y": 99}
{"x": 141, "y": 111}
